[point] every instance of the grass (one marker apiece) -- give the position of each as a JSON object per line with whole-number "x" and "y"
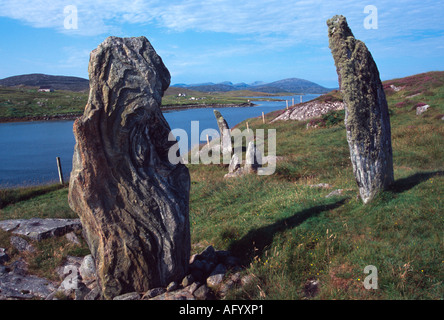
{"x": 22, "y": 103}
{"x": 288, "y": 234}
{"x": 28, "y": 103}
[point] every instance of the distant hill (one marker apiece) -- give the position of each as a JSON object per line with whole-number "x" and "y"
{"x": 38, "y": 79}
{"x": 291, "y": 85}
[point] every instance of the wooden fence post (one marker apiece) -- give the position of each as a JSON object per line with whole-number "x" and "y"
{"x": 263, "y": 117}
{"x": 59, "y": 167}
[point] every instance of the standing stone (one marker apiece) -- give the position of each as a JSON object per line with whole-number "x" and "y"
{"x": 253, "y": 158}
{"x": 132, "y": 202}
{"x": 225, "y": 136}
{"x": 234, "y": 163}
{"x": 366, "y": 112}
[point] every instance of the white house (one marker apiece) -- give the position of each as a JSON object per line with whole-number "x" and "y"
{"x": 46, "y": 89}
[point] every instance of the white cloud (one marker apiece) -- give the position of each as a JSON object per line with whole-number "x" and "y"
{"x": 289, "y": 21}
{"x": 257, "y": 25}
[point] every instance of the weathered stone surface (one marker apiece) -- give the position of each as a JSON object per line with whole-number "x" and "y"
{"x": 225, "y": 135}
{"x": 16, "y": 284}
{"x": 188, "y": 280}
{"x": 128, "y": 296}
{"x": 21, "y": 244}
{"x": 39, "y": 229}
{"x": 94, "y": 294}
{"x": 202, "y": 293}
{"x": 133, "y": 203}
{"x": 367, "y": 119}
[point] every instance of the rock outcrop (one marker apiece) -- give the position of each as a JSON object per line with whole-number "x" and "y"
{"x": 132, "y": 202}
{"x": 367, "y": 119}
{"x": 309, "y": 110}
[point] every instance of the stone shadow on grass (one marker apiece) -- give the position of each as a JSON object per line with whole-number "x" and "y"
{"x": 408, "y": 183}
{"x": 255, "y": 241}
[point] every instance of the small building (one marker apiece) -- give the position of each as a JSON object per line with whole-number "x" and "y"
{"x": 46, "y": 89}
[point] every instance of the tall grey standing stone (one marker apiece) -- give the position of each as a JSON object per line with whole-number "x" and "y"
{"x": 225, "y": 136}
{"x": 367, "y": 119}
{"x": 132, "y": 202}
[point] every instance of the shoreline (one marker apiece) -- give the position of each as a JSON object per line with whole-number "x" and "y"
{"x": 74, "y": 116}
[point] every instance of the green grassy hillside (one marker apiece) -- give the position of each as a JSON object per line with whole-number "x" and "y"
{"x": 26, "y": 103}
{"x": 295, "y": 242}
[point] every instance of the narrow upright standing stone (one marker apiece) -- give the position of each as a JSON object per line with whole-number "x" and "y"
{"x": 366, "y": 112}
{"x": 225, "y": 136}
{"x": 132, "y": 202}
{"x": 253, "y": 158}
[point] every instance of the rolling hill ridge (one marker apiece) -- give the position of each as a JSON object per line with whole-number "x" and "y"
{"x": 39, "y": 79}
{"x": 290, "y": 85}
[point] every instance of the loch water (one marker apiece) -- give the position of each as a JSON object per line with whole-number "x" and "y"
{"x": 28, "y": 150}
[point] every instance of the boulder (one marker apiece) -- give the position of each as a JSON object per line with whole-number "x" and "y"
{"x": 217, "y": 276}
{"x": 87, "y": 268}
{"x": 132, "y": 201}
{"x": 421, "y": 109}
{"x": 367, "y": 120}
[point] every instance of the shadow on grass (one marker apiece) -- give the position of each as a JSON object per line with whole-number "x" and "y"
{"x": 408, "y": 183}
{"x": 255, "y": 241}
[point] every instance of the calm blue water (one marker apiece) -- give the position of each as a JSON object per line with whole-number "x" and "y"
{"x": 28, "y": 150}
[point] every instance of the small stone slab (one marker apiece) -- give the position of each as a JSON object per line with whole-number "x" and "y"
{"x": 39, "y": 229}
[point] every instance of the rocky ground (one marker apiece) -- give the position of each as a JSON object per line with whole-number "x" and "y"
{"x": 309, "y": 110}
{"x": 212, "y": 273}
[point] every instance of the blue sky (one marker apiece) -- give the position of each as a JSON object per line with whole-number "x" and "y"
{"x": 222, "y": 40}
